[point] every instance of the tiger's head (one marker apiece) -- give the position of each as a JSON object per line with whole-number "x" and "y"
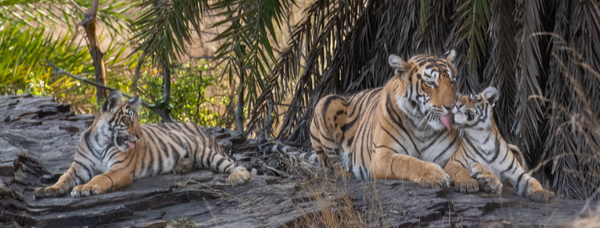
{"x": 118, "y": 121}
{"x": 430, "y": 88}
{"x": 475, "y": 111}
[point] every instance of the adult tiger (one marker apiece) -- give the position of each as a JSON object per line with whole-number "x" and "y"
{"x": 485, "y": 155}
{"x": 116, "y": 149}
{"x": 395, "y": 131}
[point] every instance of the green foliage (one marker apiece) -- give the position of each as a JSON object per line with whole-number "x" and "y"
{"x": 163, "y": 29}
{"x": 44, "y": 13}
{"x": 198, "y": 95}
{"x": 26, "y": 34}
{"x": 28, "y": 49}
{"x": 475, "y": 15}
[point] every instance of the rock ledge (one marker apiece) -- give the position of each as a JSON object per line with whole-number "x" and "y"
{"x": 38, "y": 138}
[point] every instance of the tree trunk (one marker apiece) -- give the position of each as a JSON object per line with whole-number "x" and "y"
{"x": 239, "y": 112}
{"x": 89, "y": 25}
{"x": 167, "y": 84}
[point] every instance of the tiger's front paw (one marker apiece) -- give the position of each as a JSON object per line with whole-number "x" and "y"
{"x": 49, "y": 192}
{"x": 238, "y": 178}
{"x": 487, "y": 180}
{"x": 466, "y": 186}
{"x": 542, "y": 196}
{"x": 432, "y": 176}
{"x": 86, "y": 190}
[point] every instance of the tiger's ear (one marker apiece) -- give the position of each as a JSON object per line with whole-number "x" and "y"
{"x": 450, "y": 56}
{"x": 114, "y": 100}
{"x": 491, "y": 95}
{"x": 398, "y": 64}
{"x": 136, "y": 103}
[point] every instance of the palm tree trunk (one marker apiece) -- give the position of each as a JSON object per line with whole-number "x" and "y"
{"x": 89, "y": 25}
{"x": 166, "y": 84}
{"x": 239, "y": 112}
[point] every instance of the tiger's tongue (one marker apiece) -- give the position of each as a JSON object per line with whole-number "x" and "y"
{"x": 130, "y": 144}
{"x": 447, "y": 120}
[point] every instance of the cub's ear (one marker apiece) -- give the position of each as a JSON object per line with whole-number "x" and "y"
{"x": 491, "y": 95}
{"x": 398, "y": 64}
{"x": 114, "y": 100}
{"x": 450, "y": 56}
{"x": 136, "y": 103}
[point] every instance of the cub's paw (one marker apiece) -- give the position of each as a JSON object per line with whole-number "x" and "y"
{"x": 184, "y": 166}
{"x": 487, "y": 180}
{"x": 432, "y": 176}
{"x": 49, "y": 192}
{"x": 86, "y": 190}
{"x": 542, "y": 196}
{"x": 239, "y": 177}
{"x": 466, "y": 186}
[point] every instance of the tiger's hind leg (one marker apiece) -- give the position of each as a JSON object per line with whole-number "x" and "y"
{"x": 185, "y": 165}
{"x": 215, "y": 159}
{"x": 326, "y": 133}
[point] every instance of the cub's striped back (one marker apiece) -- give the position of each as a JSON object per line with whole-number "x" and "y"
{"x": 116, "y": 149}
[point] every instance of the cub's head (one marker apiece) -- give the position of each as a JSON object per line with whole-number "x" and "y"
{"x": 475, "y": 111}
{"x": 430, "y": 88}
{"x": 118, "y": 121}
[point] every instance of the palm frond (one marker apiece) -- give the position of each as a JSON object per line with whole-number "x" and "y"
{"x": 360, "y": 62}
{"x": 246, "y": 48}
{"x": 434, "y": 28}
{"x": 528, "y": 113}
{"x": 500, "y": 69}
{"x": 469, "y": 79}
{"x": 322, "y": 30}
{"x": 574, "y": 134}
{"x": 474, "y": 15}
{"x": 162, "y": 29}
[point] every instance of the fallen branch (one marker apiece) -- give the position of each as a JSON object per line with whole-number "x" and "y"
{"x": 161, "y": 112}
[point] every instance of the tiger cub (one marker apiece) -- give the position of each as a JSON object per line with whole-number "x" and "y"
{"x": 116, "y": 149}
{"x": 485, "y": 155}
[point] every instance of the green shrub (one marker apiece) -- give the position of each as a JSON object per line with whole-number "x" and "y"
{"x": 197, "y": 95}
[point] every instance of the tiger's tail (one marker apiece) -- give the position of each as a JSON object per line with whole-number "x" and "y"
{"x": 302, "y": 159}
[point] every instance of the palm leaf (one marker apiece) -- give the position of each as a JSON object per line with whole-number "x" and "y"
{"x": 161, "y": 29}
{"x": 434, "y": 28}
{"x": 469, "y": 81}
{"x": 499, "y": 71}
{"x": 313, "y": 39}
{"x": 528, "y": 113}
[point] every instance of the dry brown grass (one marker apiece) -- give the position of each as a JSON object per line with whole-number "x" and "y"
{"x": 336, "y": 206}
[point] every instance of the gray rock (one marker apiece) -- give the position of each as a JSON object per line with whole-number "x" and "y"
{"x": 38, "y": 138}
